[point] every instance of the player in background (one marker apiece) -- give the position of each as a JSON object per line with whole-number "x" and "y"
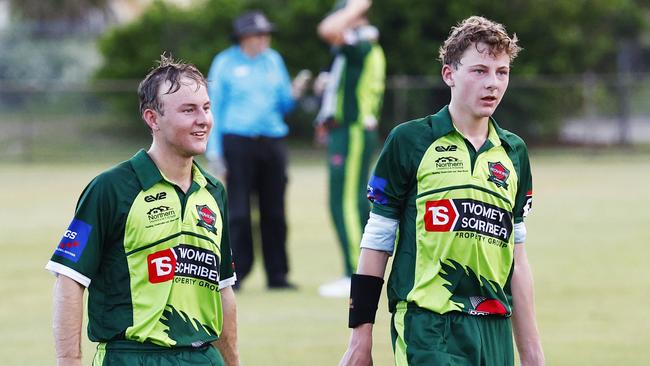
{"x": 458, "y": 188}
{"x": 150, "y": 241}
{"x": 349, "y": 117}
{"x": 251, "y": 93}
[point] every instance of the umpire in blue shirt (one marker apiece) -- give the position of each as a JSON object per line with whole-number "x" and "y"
{"x": 251, "y": 92}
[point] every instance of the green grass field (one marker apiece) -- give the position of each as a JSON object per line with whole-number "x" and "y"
{"x": 587, "y": 241}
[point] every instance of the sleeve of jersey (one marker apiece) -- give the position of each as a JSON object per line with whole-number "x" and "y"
{"x": 227, "y": 276}
{"x": 524, "y": 198}
{"x": 388, "y": 184}
{"x": 78, "y": 254}
{"x": 285, "y": 99}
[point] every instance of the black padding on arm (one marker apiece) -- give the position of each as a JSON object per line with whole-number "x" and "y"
{"x": 364, "y": 298}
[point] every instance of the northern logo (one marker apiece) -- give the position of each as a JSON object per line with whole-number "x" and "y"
{"x": 155, "y": 197}
{"x": 467, "y": 215}
{"x": 161, "y": 214}
{"x": 449, "y": 163}
{"x": 448, "y": 148}
{"x": 207, "y": 218}
{"x": 498, "y": 174}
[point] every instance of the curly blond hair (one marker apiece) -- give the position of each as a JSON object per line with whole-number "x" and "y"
{"x": 475, "y": 30}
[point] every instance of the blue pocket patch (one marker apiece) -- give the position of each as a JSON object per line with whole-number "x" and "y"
{"x": 376, "y": 190}
{"x": 74, "y": 240}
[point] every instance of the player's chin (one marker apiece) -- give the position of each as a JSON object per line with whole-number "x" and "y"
{"x": 197, "y": 148}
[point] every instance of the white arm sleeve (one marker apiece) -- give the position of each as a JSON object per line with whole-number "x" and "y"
{"x": 520, "y": 233}
{"x": 380, "y": 234}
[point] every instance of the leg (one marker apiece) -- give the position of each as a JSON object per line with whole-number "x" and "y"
{"x": 237, "y": 152}
{"x": 271, "y": 186}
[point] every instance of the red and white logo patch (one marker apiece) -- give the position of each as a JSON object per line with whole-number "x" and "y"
{"x": 162, "y": 266}
{"x": 440, "y": 216}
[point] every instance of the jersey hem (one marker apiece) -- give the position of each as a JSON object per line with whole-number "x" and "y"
{"x": 59, "y": 269}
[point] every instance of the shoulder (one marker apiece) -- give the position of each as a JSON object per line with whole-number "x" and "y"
{"x": 412, "y": 130}
{"x": 116, "y": 175}
{"x": 119, "y": 181}
{"x": 273, "y": 56}
{"x": 214, "y": 186}
{"x": 515, "y": 142}
{"x": 225, "y": 56}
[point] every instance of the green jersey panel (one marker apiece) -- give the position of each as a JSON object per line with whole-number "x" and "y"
{"x": 457, "y": 208}
{"x": 361, "y": 88}
{"x": 153, "y": 257}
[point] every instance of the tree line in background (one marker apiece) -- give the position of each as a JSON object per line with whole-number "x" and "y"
{"x": 559, "y": 37}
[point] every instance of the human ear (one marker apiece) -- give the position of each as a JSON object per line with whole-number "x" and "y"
{"x": 448, "y": 75}
{"x": 151, "y": 119}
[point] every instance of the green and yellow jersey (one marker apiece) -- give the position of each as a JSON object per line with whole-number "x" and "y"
{"x": 153, "y": 257}
{"x": 457, "y": 208}
{"x": 360, "y": 89}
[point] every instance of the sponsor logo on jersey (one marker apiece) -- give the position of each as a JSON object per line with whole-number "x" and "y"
{"x": 155, "y": 197}
{"x": 498, "y": 174}
{"x": 74, "y": 240}
{"x": 162, "y": 266}
{"x": 184, "y": 261}
{"x": 528, "y": 206}
{"x": 376, "y": 190}
{"x": 468, "y": 215}
{"x": 207, "y": 218}
{"x": 161, "y": 215}
{"x": 449, "y": 148}
{"x": 449, "y": 163}
{"x": 485, "y": 306}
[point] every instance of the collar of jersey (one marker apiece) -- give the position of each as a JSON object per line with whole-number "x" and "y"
{"x": 442, "y": 125}
{"x": 148, "y": 173}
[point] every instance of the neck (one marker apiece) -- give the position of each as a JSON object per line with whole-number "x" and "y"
{"x": 176, "y": 168}
{"x": 475, "y": 129}
{"x": 248, "y": 50}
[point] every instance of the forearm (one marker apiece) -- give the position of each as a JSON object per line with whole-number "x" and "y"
{"x": 523, "y": 316}
{"x": 67, "y": 320}
{"x": 227, "y": 343}
{"x": 372, "y": 262}
{"x": 331, "y": 28}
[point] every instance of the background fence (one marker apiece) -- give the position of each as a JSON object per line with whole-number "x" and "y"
{"x": 41, "y": 120}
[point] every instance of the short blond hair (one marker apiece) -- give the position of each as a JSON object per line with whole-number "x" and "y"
{"x": 168, "y": 70}
{"x": 475, "y": 30}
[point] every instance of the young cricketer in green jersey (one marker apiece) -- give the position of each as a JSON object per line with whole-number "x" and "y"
{"x": 150, "y": 241}
{"x": 457, "y": 187}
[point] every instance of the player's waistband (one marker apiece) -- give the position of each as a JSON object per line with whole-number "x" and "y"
{"x": 126, "y": 345}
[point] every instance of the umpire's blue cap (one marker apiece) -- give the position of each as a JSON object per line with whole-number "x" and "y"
{"x": 252, "y": 22}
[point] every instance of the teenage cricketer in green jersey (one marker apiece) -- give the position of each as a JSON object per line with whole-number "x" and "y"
{"x": 150, "y": 241}
{"x": 457, "y": 187}
{"x": 350, "y": 114}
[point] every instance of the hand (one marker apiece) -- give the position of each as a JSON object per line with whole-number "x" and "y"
{"x": 320, "y": 136}
{"x": 359, "y": 352}
{"x": 359, "y": 6}
{"x": 299, "y": 83}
